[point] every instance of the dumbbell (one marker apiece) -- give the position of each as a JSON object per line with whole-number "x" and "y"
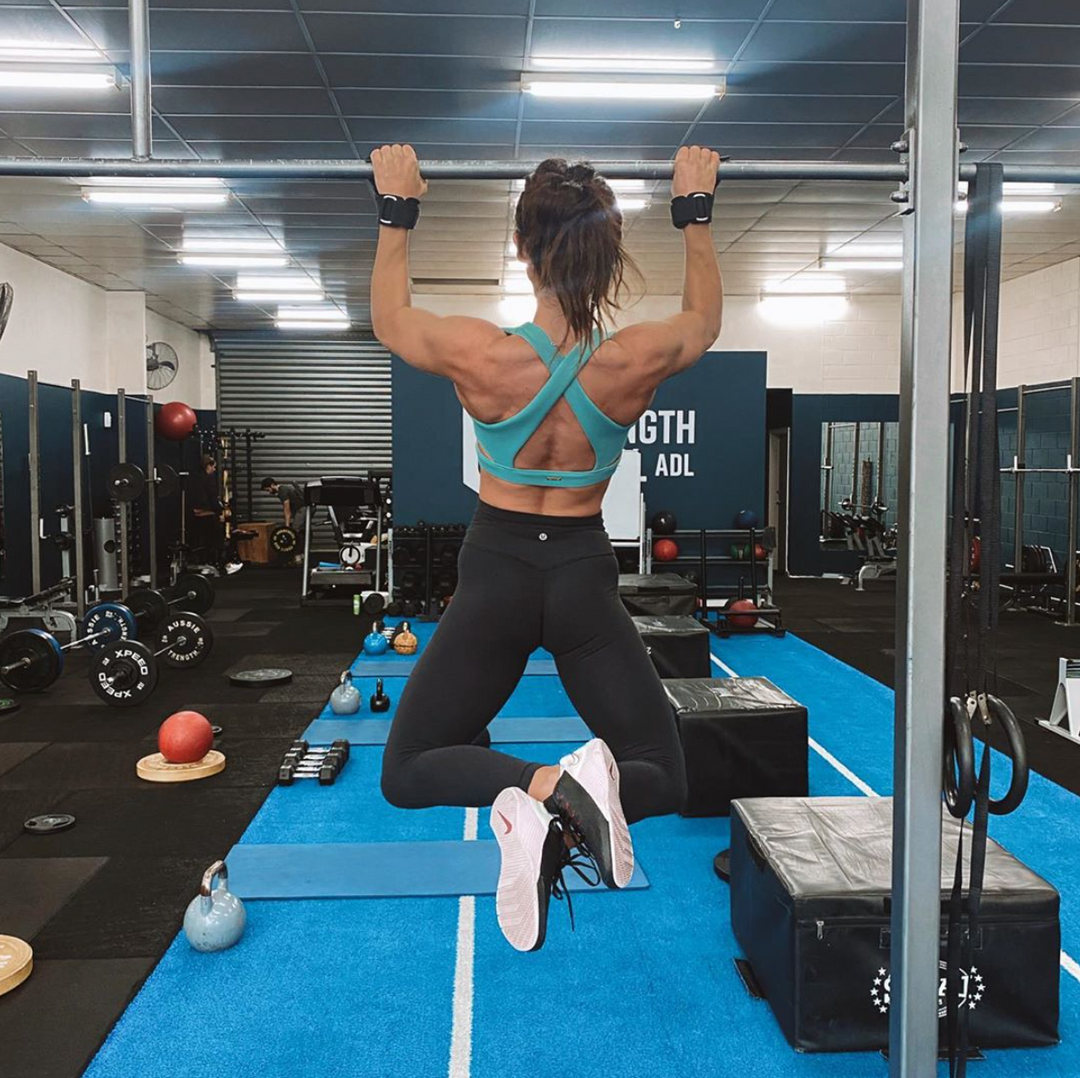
{"x": 302, "y": 762}
{"x": 125, "y": 673}
{"x": 31, "y": 660}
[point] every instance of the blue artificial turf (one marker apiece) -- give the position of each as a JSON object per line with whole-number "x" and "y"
{"x": 645, "y": 988}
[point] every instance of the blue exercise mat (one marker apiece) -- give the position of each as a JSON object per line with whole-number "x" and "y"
{"x": 365, "y": 731}
{"x": 402, "y": 666}
{"x": 374, "y": 870}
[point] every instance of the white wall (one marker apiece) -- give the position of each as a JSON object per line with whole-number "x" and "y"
{"x": 856, "y": 350}
{"x": 65, "y": 328}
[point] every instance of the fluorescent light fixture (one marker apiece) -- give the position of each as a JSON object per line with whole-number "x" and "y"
{"x": 311, "y": 323}
{"x": 807, "y": 286}
{"x": 802, "y": 310}
{"x": 1019, "y": 205}
{"x": 1016, "y": 187}
{"x": 629, "y": 205}
{"x": 615, "y": 185}
{"x": 230, "y": 246}
{"x": 168, "y": 199}
{"x": 47, "y": 50}
{"x": 151, "y": 181}
{"x": 645, "y": 65}
{"x": 1014, "y": 205}
{"x": 57, "y": 80}
{"x": 311, "y": 314}
{"x": 862, "y": 264}
{"x": 249, "y": 282}
{"x": 891, "y": 250}
{"x": 277, "y": 297}
{"x": 235, "y": 261}
{"x": 634, "y": 91}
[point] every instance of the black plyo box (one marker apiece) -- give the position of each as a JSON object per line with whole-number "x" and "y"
{"x": 677, "y": 644}
{"x": 741, "y": 737}
{"x": 657, "y": 593}
{"x": 811, "y": 904}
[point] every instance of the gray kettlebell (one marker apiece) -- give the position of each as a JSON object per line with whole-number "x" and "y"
{"x": 215, "y": 917}
{"x": 345, "y": 699}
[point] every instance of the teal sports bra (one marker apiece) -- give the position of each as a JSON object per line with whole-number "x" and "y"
{"x": 502, "y": 441}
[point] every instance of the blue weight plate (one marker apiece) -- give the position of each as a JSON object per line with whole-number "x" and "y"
{"x": 31, "y": 660}
{"x": 114, "y": 619}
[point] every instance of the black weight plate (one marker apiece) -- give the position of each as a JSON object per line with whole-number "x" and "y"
{"x": 124, "y": 674}
{"x": 41, "y": 659}
{"x": 168, "y": 481}
{"x": 49, "y": 825}
{"x": 7, "y": 705}
{"x": 151, "y": 611}
{"x": 126, "y": 482}
{"x": 284, "y": 539}
{"x": 262, "y": 679}
{"x": 722, "y": 865}
{"x": 194, "y": 592}
{"x": 186, "y": 641}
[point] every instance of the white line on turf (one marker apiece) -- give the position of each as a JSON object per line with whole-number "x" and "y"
{"x": 1068, "y": 963}
{"x": 461, "y": 1035}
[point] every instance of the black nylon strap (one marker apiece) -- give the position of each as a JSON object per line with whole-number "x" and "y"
{"x": 976, "y": 509}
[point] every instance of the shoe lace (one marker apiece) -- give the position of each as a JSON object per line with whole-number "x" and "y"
{"x": 582, "y": 862}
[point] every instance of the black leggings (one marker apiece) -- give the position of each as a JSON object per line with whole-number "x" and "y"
{"x": 524, "y": 582}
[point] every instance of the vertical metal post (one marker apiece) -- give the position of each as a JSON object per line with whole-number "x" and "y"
{"x": 1073, "y": 502}
{"x": 881, "y": 463}
{"x": 1018, "y": 480}
{"x": 925, "y": 345}
{"x": 151, "y": 490}
{"x": 122, "y": 507}
{"x": 855, "y": 450}
{"x": 142, "y": 144}
{"x": 826, "y": 494}
{"x": 77, "y": 526}
{"x": 35, "y": 481}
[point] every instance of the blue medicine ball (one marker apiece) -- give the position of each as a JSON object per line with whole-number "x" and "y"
{"x": 746, "y": 518}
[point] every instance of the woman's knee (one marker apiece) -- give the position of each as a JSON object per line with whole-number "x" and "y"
{"x": 399, "y": 785}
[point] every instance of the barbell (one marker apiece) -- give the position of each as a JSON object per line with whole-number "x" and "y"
{"x": 31, "y": 660}
{"x": 125, "y": 673}
{"x": 127, "y": 481}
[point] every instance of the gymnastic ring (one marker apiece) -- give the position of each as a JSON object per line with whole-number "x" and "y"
{"x": 959, "y": 760}
{"x": 1018, "y": 753}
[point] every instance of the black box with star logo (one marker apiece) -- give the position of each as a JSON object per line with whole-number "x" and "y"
{"x": 811, "y": 905}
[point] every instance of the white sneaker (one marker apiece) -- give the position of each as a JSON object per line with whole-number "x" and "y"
{"x": 586, "y": 798}
{"x": 234, "y": 567}
{"x": 533, "y": 850}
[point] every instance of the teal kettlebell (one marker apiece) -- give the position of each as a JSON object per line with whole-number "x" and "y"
{"x": 345, "y": 699}
{"x": 215, "y": 917}
{"x": 375, "y": 643}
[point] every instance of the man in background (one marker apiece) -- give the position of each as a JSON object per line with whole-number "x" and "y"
{"x": 208, "y": 515}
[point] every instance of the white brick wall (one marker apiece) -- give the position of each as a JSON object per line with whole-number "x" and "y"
{"x": 859, "y": 353}
{"x": 1039, "y": 336}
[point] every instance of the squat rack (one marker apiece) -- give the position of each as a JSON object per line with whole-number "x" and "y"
{"x": 927, "y": 171}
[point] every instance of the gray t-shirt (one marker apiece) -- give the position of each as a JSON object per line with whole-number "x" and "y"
{"x": 291, "y": 493}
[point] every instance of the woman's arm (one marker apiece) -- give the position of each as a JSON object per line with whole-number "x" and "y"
{"x": 424, "y": 340}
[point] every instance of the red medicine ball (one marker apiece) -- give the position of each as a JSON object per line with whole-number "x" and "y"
{"x": 175, "y": 421}
{"x": 742, "y": 621}
{"x": 665, "y": 550}
{"x": 185, "y": 738}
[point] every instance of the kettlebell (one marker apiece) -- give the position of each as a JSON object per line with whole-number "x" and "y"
{"x": 215, "y": 917}
{"x": 379, "y": 700}
{"x": 405, "y": 641}
{"x": 345, "y": 699}
{"x": 375, "y": 643}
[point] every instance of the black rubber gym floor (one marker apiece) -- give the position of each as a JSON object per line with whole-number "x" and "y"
{"x": 101, "y": 902}
{"x": 858, "y": 628}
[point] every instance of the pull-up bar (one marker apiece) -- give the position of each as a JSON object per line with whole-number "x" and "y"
{"x": 76, "y": 167}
